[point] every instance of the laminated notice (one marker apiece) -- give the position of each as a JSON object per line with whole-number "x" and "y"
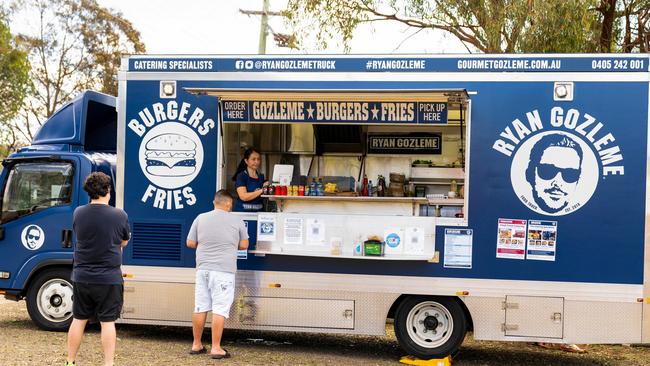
{"x": 511, "y": 239}
{"x": 542, "y": 240}
{"x": 458, "y": 248}
{"x": 293, "y": 230}
{"x": 394, "y": 239}
{"x": 266, "y": 227}
{"x": 315, "y": 232}
{"x": 414, "y": 240}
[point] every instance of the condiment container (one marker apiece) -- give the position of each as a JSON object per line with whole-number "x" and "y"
{"x": 336, "y": 245}
{"x": 373, "y": 248}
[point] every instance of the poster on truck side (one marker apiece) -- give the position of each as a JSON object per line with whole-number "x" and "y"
{"x": 458, "y": 248}
{"x": 542, "y": 240}
{"x": 511, "y": 239}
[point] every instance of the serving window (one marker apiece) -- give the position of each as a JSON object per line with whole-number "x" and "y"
{"x": 357, "y": 162}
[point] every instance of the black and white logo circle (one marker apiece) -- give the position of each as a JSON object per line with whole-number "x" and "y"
{"x": 171, "y": 155}
{"x": 554, "y": 173}
{"x": 267, "y": 228}
{"x": 32, "y": 237}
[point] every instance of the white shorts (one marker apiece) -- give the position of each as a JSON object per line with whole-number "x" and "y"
{"x": 214, "y": 291}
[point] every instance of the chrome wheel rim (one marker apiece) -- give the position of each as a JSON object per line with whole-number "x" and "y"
{"x": 54, "y": 300}
{"x": 429, "y": 324}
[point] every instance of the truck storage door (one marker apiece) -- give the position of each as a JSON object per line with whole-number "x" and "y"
{"x": 38, "y": 199}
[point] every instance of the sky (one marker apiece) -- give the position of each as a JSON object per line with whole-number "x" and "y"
{"x": 217, "y": 27}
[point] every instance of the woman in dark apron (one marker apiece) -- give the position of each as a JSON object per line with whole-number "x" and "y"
{"x": 249, "y": 182}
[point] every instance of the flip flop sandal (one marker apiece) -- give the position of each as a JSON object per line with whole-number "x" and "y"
{"x": 219, "y": 357}
{"x": 198, "y": 352}
{"x": 572, "y": 348}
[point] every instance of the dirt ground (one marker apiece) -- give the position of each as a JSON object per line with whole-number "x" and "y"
{"x": 21, "y": 343}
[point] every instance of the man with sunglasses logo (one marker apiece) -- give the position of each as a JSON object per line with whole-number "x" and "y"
{"x": 554, "y": 171}
{"x": 33, "y": 237}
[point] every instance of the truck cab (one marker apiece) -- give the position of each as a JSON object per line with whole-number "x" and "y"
{"x": 42, "y": 184}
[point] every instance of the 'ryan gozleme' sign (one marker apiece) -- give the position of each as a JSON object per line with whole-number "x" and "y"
{"x": 415, "y": 143}
{"x": 335, "y": 112}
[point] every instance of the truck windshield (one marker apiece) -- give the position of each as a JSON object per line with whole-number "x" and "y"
{"x": 35, "y": 186}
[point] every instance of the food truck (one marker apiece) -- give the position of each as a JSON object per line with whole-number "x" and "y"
{"x": 500, "y": 194}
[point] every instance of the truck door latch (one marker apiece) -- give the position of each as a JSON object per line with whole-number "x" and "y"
{"x": 66, "y": 238}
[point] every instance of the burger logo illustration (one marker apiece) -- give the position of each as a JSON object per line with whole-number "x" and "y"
{"x": 167, "y": 136}
{"x": 170, "y": 155}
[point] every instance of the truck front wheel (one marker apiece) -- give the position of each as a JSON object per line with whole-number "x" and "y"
{"x": 49, "y": 299}
{"x": 430, "y": 327}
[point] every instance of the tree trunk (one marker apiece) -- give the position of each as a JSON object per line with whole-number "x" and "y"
{"x": 608, "y": 9}
{"x": 643, "y": 33}
{"x": 628, "y": 46}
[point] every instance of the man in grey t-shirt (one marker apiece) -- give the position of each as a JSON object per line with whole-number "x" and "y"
{"x": 216, "y": 235}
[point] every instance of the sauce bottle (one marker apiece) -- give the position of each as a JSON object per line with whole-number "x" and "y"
{"x": 381, "y": 186}
{"x": 364, "y": 190}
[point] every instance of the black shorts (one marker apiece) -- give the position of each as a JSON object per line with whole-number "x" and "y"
{"x": 103, "y": 302}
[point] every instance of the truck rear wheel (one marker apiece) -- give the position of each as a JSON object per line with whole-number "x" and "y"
{"x": 430, "y": 327}
{"x": 49, "y": 299}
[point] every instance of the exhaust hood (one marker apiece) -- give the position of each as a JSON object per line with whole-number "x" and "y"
{"x": 339, "y": 139}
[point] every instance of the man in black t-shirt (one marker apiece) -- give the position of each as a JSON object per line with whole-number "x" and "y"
{"x": 102, "y": 231}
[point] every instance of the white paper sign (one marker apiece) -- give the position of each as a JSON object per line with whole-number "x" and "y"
{"x": 315, "y": 232}
{"x": 266, "y": 227}
{"x": 414, "y": 240}
{"x": 293, "y": 230}
{"x": 394, "y": 239}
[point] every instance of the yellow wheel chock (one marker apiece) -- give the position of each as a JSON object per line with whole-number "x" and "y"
{"x": 410, "y": 360}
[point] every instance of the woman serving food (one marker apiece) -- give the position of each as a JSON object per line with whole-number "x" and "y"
{"x": 249, "y": 182}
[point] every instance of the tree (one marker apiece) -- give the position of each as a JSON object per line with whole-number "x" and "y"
{"x": 635, "y": 18}
{"x": 489, "y": 26}
{"x": 14, "y": 81}
{"x": 76, "y": 45}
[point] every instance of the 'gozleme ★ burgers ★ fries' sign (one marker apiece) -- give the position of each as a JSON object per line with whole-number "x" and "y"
{"x": 171, "y": 152}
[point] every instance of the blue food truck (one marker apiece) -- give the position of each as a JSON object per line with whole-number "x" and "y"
{"x": 509, "y": 198}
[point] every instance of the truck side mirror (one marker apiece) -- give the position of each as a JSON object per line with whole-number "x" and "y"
{"x": 2, "y": 233}
{"x": 66, "y": 238}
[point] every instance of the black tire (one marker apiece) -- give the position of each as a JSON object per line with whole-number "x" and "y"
{"x": 54, "y": 313}
{"x": 445, "y": 318}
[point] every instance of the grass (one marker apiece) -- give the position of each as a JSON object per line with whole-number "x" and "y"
{"x": 22, "y": 343}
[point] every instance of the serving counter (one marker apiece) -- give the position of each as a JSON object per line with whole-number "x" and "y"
{"x": 337, "y": 204}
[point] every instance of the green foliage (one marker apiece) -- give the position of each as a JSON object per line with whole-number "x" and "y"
{"x": 14, "y": 74}
{"x": 73, "y": 45}
{"x": 490, "y": 26}
{"x": 547, "y": 31}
